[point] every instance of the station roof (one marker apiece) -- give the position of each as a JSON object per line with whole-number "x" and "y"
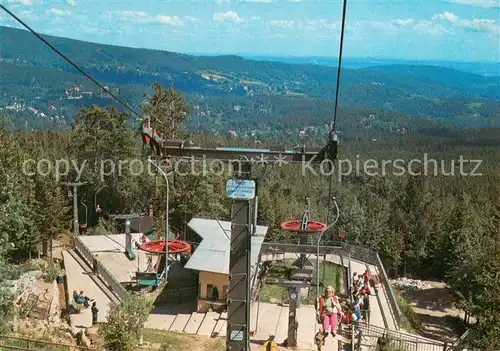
{"x": 212, "y": 255}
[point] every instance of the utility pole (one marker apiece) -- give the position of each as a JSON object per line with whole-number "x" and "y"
{"x": 242, "y": 190}
{"x": 76, "y": 226}
{"x": 128, "y": 236}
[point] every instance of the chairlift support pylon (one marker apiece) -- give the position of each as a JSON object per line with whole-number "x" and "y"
{"x": 238, "y": 324}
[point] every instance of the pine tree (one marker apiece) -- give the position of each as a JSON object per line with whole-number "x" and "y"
{"x": 167, "y": 111}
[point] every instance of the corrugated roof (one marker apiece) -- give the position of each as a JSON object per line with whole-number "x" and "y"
{"x": 212, "y": 255}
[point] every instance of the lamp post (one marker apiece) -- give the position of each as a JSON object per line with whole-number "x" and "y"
{"x": 166, "y": 213}
{"x": 317, "y": 245}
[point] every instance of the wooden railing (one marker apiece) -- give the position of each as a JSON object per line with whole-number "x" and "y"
{"x": 8, "y": 342}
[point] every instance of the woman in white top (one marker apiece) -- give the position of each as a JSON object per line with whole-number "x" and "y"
{"x": 329, "y": 309}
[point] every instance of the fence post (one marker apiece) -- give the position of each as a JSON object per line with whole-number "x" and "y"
{"x": 445, "y": 346}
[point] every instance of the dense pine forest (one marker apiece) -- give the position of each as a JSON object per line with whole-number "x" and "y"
{"x": 248, "y": 96}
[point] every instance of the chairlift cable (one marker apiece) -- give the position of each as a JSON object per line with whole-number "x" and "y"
{"x": 335, "y": 110}
{"x": 123, "y": 103}
{"x": 337, "y": 88}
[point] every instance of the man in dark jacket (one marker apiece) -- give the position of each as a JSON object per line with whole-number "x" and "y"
{"x": 94, "y": 313}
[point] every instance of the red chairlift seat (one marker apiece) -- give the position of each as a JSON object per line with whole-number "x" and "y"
{"x": 147, "y": 132}
{"x": 312, "y": 226}
{"x": 83, "y": 225}
{"x": 98, "y": 209}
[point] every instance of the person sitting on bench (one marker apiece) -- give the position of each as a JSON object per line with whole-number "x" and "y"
{"x": 82, "y": 299}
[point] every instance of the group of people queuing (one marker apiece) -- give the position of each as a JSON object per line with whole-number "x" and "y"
{"x": 361, "y": 292}
{"x": 331, "y": 312}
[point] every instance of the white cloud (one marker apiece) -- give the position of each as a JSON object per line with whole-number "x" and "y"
{"x": 173, "y": 21}
{"x": 429, "y": 27}
{"x": 382, "y": 25}
{"x": 310, "y": 25}
{"x": 258, "y": 1}
{"x": 71, "y": 2}
{"x": 23, "y": 2}
{"x": 282, "y": 23}
{"x": 446, "y": 16}
{"x": 58, "y": 12}
{"x": 228, "y": 16}
{"x": 477, "y": 24}
{"x": 480, "y": 25}
{"x": 135, "y": 16}
{"x": 403, "y": 22}
{"x": 480, "y": 3}
{"x": 133, "y": 13}
{"x": 142, "y": 17}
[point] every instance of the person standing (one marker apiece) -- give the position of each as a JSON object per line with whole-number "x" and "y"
{"x": 270, "y": 344}
{"x": 95, "y": 312}
{"x": 95, "y": 263}
{"x": 366, "y": 308}
{"x": 320, "y": 338}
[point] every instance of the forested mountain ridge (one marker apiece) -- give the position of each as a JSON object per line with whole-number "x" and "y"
{"x": 435, "y": 93}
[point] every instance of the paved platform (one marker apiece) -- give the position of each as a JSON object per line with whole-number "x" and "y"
{"x": 273, "y": 319}
{"x": 376, "y": 317}
{"x": 78, "y": 278}
{"x": 111, "y": 251}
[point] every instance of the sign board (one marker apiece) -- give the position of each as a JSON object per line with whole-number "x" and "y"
{"x": 240, "y": 189}
{"x": 237, "y": 335}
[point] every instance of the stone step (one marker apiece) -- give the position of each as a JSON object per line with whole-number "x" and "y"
{"x": 180, "y": 322}
{"x": 194, "y": 323}
{"x": 208, "y": 324}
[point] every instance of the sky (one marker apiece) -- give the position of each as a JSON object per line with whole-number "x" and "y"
{"x": 452, "y": 30}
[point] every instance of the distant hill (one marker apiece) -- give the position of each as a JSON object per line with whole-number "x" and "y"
{"x": 476, "y": 85}
{"x": 488, "y": 69}
{"x": 35, "y": 74}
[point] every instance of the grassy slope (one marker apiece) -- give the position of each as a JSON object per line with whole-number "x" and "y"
{"x": 330, "y": 274}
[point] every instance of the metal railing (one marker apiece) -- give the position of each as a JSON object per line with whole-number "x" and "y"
{"x": 393, "y": 300}
{"x": 360, "y": 254}
{"x": 103, "y": 273}
{"x": 370, "y": 335}
{"x": 112, "y": 283}
{"x": 458, "y": 344}
{"x": 373, "y": 258}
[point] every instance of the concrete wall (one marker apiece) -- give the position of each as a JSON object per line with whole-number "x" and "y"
{"x": 54, "y": 307}
{"x": 221, "y": 281}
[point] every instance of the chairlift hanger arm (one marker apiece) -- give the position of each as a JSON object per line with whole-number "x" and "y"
{"x": 176, "y": 148}
{"x": 281, "y": 248}
{"x": 125, "y": 216}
